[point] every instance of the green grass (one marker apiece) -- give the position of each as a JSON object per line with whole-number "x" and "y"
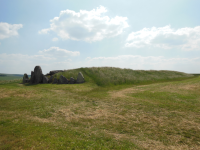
{"x": 160, "y": 115}
{"x": 108, "y": 76}
{"x": 10, "y": 77}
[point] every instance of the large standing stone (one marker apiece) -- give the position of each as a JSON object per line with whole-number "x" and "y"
{"x": 51, "y": 79}
{"x": 55, "y": 81}
{"x": 25, "y": 78}
{"x": 63, "y": 80}
{"x": 45, "y": 79}
{"x": 80, "y": 78}
{"x": 71, "y": 80}
{"x": 38, "y": 76}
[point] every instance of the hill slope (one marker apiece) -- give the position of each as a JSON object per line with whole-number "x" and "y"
{"x": 104, "y": 76}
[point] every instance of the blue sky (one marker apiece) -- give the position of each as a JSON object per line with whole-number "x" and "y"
{"x": 63, "y": 34}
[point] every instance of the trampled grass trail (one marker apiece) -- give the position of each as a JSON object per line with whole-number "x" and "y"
{"x": 160, "y": 115}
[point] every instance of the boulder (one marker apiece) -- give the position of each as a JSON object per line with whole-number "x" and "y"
{"x": 25, "y": 78}
{"x": 53, "y": 72}
{"x": 71, "y": 80}
{"x": 80, "y": 78}
{"x": 45, "y": 79}
{"x": 59, "y": 81}
{"x": 38, "y": 76}
{"x": 63, "y": 80}
{"x": 32, "y": 77}
{"x": 55, "y": 81}
{"x": 51, "y": 79}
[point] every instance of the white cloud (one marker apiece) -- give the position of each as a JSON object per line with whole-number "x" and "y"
{"x": 166, "y": 37}
{"x": 56, "y": 51}
{"x": 15, "y": 58}
{"x": 8, "y": 30}
{"x": 190, "y": 65}
{"x": 86, "y": 25}
{"x": 20, "y": 63}
{"x": 55, "y": 39}
{"x": 49, "y": 59}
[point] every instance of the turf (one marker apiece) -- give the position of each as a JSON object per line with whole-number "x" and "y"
{"x": 108, "y": 76}
{"x": 10, "y": 76}
{"x": 144, "y": 115}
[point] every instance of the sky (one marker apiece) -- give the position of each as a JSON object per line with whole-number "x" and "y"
{"x": 69, "y": 34}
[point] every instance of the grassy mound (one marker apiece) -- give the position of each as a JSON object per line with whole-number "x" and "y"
{"x": 106, "y": 76}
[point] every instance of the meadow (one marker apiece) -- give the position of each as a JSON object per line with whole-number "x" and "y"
{"x": 10, "y": 76}
{"x": 114, "y": 109}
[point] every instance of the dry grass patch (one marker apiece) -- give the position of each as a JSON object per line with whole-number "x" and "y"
{"x": 42, "y": 120}
{"x": 59, "y": 91}
{"x": 122, "y": 93}
{"x": 16, "y": 93}
{"x": 89, "y": 114}
{"x": 176, "y": 88}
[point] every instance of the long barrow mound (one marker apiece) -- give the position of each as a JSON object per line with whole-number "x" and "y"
{"x": 106, "y": 76}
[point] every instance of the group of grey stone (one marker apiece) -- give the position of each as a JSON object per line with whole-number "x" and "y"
{"x": 37, "y": 77}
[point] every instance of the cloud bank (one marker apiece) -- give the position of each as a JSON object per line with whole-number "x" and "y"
{"x": 55, "y": 39}
{"x": 56, "y": 51}
{"x": 189, "y": 65}
{"x": 8, "y": 30}
{"x": 85, "y": 25}
{"x": 14, "y": 63}
{"x": 166, "y": 37}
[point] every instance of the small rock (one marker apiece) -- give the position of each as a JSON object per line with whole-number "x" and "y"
{"x": 63, "y": 80}
{"x": 80, "y": 78}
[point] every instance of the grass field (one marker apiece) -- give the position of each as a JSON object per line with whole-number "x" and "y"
{"x": 10, "y": 76}
{"x": 139, "y": 113}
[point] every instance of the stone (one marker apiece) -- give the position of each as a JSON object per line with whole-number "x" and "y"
{"x": 53, "y": 72}
{"x": 71, "y": 80}
{"x": 59, "y": 82}
{"x": 45, "y": 79}
{"x": 32, "y": 77}
{"x": 25, "y": 78}
{"x": 38, "y": 76}
{"x": 63, "y": 80}
{"x": 51, "y": 79}
{"x": 80, "y": 78}
{"x": 55, "y": 81}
